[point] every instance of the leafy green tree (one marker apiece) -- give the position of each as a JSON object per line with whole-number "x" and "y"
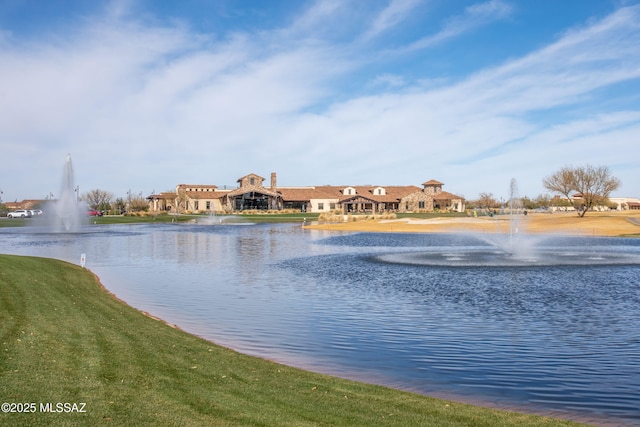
{"x": 119, "y": 205}
{"x": 541, "y": 201}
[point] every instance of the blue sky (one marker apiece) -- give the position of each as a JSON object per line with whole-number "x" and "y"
{"x": 146, "y": 95}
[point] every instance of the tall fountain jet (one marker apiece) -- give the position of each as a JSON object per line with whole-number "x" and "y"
{"x": 68, "y": 214}
{"x": 515, "y": 205}
{"x": 516, "y": 243}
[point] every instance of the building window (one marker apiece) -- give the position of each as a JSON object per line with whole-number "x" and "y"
{"x": 332, "y": 206}
{"x": 208, "y": 205}
{"x": 320, "y": 206}
{"x": 195, "y": 205}
{"x": 252, "y": 181}
{"x": 421, "y": 204}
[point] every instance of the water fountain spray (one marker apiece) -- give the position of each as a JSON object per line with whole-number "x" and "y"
{"x": 515, "y": 204}
{"x": 67, "y": 213}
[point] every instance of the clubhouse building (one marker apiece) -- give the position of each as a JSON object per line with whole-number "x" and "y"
{"x": 253, "y": 193}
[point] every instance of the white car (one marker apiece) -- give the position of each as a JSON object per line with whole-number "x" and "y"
{"x": 20, "y": 213}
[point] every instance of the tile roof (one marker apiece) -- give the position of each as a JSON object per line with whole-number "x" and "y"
{"x": 394, "y": 193}
{"x": 445, "y": 195}
{"x": 164, "y": 195}
{"x": 291, "y": 194}
{"x": 202, "y": 195}
{"x": 183, "y": 186}
{"x": 254, "y": 189}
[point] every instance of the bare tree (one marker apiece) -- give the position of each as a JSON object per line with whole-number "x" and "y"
{"x": 98, "y": 199}
{"x": 181, "y": 200}
{"x": 137, "y": 202}
{"x": 590, "y": 186}
{"x": 487, "y": 201}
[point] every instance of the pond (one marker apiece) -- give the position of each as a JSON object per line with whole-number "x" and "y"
{"x": 558, "y": 337}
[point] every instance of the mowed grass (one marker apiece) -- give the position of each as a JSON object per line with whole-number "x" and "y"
{"x": 165, "y": 218}
{"x": 64, "y": 339}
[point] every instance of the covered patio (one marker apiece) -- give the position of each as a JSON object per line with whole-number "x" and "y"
{"x": 363, "y": 204}
{"x": 242, "y": 199}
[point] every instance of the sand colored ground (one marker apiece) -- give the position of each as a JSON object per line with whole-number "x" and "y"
{"x": 592, "y": 224}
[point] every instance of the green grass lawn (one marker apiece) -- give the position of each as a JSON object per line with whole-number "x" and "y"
{"x": 278, "y": 217}
{"x": 107, "y": 219}
{"x": 164, "y": 218}
{"x": 64, "y": 339}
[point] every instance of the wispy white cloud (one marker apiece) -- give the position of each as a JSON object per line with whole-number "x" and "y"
{"x": 388, "y": 80}
{"x": 389, "y": 17}
{"x": 146, "y": 106}
{"x": 475, "y": 123}
{"x": 473, "y": 17}
{"x": 317, "y": 21}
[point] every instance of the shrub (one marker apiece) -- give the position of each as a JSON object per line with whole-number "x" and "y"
{"x": 340, "y": 217}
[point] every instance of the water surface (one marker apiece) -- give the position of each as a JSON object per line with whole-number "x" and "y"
{"x": 557, "y": 338}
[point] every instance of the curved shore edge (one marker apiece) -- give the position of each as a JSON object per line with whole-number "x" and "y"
{"x": 67, "y": 338}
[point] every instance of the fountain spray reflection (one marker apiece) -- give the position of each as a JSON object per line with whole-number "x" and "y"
{"x": 517, "y": 248}
{"x": 215, "y": 219}
{"x": 516, "y": 244}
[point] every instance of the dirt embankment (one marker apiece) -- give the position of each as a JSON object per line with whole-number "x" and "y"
{"x": 592, "y": 224}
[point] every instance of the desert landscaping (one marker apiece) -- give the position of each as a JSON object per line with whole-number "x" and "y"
{"x": 626, "y": 223}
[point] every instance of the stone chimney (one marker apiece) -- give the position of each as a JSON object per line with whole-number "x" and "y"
{"x": 273, "y": 181}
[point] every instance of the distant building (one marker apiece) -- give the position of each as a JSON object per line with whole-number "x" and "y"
{"x": 372, "y": 199}
{"x": 25, "y": 204}
{"x": 559, "y": 203}
{"x": 251, "y": 193}
{"x": 625, "y": 203}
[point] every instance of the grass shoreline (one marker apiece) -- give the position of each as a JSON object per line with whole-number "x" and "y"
{"x": 610, "y": 224}
{"x": 164, "y": 218}
{"x": 65, "y": 338}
